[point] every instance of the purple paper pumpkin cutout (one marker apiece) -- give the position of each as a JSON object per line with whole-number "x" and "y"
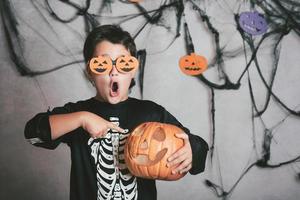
{"x": 253, "y": 23}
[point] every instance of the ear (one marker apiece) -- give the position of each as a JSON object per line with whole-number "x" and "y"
{"x": 132, "y": 83}
{"x": 134, "y": 73}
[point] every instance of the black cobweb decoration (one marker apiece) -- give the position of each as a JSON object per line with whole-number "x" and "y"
{"x": 154, "y": 17}
{"x": 169, "y": 15}
{"x": 280, "y": 30}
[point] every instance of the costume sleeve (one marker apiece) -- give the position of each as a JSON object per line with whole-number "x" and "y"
{"x": 198, "y": 145}
{"x": 38, "y": 131}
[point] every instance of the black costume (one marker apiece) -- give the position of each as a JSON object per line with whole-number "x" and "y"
{"x": 93, "y": 172}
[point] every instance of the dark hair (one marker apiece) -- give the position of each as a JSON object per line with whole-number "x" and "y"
{"x": 111, "y": 33}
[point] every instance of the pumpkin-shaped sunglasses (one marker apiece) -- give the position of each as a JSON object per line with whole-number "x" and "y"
{"x": 102, "y": 65}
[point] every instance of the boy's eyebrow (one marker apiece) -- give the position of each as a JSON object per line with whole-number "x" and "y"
{"x": 105, "y": 55}
{"x": 109, "y": 56}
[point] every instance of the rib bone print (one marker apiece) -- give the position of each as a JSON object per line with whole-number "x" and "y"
{"x": 114, "y": 180}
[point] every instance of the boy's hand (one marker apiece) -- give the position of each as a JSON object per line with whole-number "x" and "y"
{"x": 97, "y": 126}
{"x": 183, "y": 156}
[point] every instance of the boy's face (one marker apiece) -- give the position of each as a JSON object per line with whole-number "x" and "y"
{"x": 112, "y": 87}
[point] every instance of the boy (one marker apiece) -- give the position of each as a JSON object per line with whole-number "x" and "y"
{"x": 92, "y": 128}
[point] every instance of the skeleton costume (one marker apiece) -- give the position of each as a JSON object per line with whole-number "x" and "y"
{"x": 98, "y": 169}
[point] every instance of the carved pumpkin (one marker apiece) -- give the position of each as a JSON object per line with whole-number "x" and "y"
{"x": 127, "y": 64}
{"x": 193, "y": 64}
{"x": 148, "y": 147}
{"x": 100, "y": 65}
{"x": 253, "y": 23}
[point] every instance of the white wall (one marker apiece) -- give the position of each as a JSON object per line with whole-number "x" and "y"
{"x": 27, "y": 172}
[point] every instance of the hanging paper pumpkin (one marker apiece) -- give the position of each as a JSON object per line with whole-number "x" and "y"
{"x": 193, "y": 64}
{"x": 148, "y": 147}
{"x": 127, "y": 64}
{"x": 134, "y": 1}
{"x": 100, "y": 65}
{"x": 253, "y": 23}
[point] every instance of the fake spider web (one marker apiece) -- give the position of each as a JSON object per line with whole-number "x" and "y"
{"x": 75, "y": 19}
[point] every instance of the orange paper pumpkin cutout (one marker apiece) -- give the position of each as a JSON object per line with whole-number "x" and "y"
{"x": 193, "y": 64}
{"x": 134, "y": 1}
{"x": 126, "y": 64}
{"x": 100, "y": 65}
{"x": 148, "y": 147}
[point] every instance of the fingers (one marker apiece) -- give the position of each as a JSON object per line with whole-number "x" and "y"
{"x": 176, "y": 157}
{"x": 183, "y": 136}
{"x": 115, "y": 127}
{"x": 183, "y": 153}
{"x": 182, "y": 158}
{"x": 183, "y": 168}
{"x": 183, "y": 162}
{"x": 97, "y": 127}
{"x": 104, "y": 130}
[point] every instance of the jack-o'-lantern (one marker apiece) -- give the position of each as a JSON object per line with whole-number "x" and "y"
{"x": 253, "y": 23}
{"x": 193, "y": 64}
{"x": 100, "y": 65}
{"x": 127, "y": 64}
{"x": 148, "y": 148}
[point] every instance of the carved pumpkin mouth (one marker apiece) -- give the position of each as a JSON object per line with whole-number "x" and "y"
{"x": 142, "y": 159}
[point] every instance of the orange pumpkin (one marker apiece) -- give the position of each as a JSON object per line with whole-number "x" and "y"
{"x": 148, "y": 147}
{"x": 193, "y": 64}
{"x": 100, "y": 65}
{"x": 127, "y": 64}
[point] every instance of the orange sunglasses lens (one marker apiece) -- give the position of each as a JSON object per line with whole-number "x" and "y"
{"x": 126, "y": 64}
{"x": 100, "y": 65}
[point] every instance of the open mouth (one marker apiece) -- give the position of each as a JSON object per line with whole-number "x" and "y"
{"x": 114, "y": 89}
{"x": 142, "y": 159}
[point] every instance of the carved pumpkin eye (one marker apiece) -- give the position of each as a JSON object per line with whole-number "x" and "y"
{"x": 253, "y": 23}
{"x": 159, "y": 134}
{"x": 100, "y": 65}
{"x": 193, "y": 64}
{"x": 127, "y": 64}
{"x": 148, "y": 147}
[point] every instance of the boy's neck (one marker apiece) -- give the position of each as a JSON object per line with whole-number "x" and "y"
{"x": 99, "y": 98}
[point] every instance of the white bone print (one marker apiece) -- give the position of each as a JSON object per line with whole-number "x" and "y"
{"x": 114, "y": 180}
